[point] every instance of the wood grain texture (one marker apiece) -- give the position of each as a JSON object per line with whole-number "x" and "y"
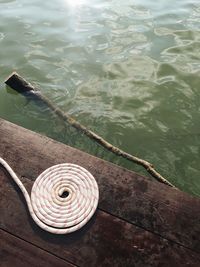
{"x": 167, "y": 212}
{"x": 19, "y": 253}
{"x": 105, "y": 241}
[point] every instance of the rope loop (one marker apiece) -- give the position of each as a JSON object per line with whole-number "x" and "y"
{"x": 63, "y": 198}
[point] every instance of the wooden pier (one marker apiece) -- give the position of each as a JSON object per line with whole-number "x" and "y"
{"x": 139, "y": 223}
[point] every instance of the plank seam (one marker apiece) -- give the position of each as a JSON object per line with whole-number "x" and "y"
{"x": 50, "y": 253}
{"x": 157, "y": 234}
{"x": 139, "y": 226}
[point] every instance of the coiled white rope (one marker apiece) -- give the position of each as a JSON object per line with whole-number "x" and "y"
{"x": 51, "y": 211}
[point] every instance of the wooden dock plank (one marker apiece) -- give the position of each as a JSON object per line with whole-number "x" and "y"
{"x": 19, "y": 253}
{"x": 170, "y": 213}
{"x": 105, "y": 241}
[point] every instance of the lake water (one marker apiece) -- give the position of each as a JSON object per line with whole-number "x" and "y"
{"x": 128, "y": 70}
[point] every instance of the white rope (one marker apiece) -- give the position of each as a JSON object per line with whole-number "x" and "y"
{"x": 47, "y": 206}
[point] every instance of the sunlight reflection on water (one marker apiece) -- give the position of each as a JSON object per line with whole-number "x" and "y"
{"x": 128, "y": 70}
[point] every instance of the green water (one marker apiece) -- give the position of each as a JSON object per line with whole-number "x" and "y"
{"x": 128, "y": 70}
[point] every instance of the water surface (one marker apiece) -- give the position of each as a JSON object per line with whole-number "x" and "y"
{"x": 128, "y": 70}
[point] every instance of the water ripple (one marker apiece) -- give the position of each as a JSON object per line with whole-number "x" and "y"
{"x": 128, "y": 70}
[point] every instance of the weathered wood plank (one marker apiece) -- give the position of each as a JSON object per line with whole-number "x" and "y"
{"x": 104, "y": 241}
{"x": 170, "y": 213}
{"x": 19, "y": 253}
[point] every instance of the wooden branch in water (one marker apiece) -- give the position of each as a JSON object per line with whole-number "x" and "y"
{"x": 19, "y": 84}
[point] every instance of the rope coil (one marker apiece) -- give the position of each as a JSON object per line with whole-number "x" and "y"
{"x": 49, "y": 207}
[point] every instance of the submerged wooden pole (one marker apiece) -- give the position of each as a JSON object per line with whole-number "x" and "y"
{"x": 19, "y": 84}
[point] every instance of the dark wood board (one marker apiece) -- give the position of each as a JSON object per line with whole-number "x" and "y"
{"x": 19, "y": 253}
{"x": 155, "y": 207}
{"x": 105, "y": 241}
